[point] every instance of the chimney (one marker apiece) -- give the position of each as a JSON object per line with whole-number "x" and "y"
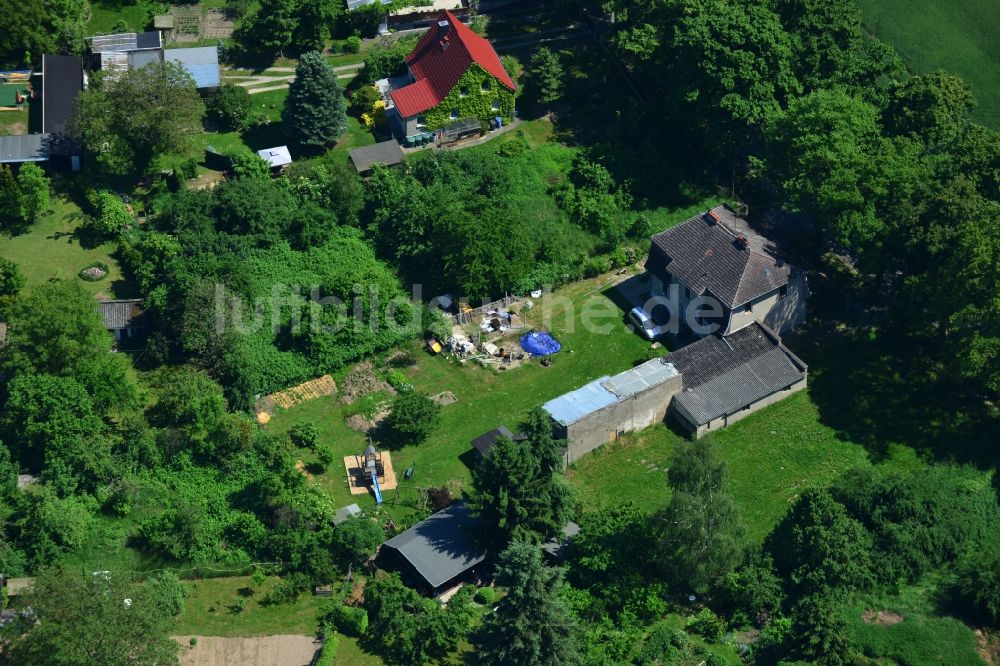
{"x": 742, "y": 242}
{"x": 712, "y": 217}
{"x": 443, "y": 28}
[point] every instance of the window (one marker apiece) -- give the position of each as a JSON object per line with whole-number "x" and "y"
{"x": 748, "y": 307}
{"x": 486, "y": 85}
{"x": 454, "y": 114}
{"x": 496, "y": 105}
{"x": 463, "y": 91}
{"x": 782, "y": 291}
{"x": 421, "y": 121}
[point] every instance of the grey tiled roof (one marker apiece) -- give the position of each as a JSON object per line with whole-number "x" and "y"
{"x": 120, "y": 314}
{"x": 723, "y": 375}
{"x": 485, "y": 442}
{"x": 385, "y": 152}
{"x": 440, "y": 547}
{"x": 706, "y": 255}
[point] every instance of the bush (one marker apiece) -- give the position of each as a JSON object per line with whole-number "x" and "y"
{"x": 304, "y": 434}
{"x": 231, "y": 107}
{"x": 413, "y": 417}
{"x": 11, "y": 278}
{"x": 111, "y": 217}
{"x": 439, "y": 498}
{"x": 346, "y": 619}
{"x": 486, "y": 595}
{"x": 977, "y": 581}
{"x": 363, "y": 99}
{"x": 398, "y": 380}
{"x": 707, "y": 624}
{"x": 325, "y": 455}
{"x": 352, "y": 44}
{"x": 329, "y": 654}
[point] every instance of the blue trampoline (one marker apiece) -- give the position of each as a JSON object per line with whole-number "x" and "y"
{"x": 539, "y": 343}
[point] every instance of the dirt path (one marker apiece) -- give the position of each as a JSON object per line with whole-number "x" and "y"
{"x": 281, "y": 650}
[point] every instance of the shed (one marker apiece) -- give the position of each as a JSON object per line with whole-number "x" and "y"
{"x": 485, "y": 442}
{"x": 62, "y": 81}
{"x": 385, "y": 152}
{"x": 556, "y": 547}
{"x": 606, "y": 408}
{"x": 277, "y": 157}
{"x": 202, "y": 63}
{"x": 25, "y": 480}
{"x": 24, "y": 148}
{"x": 122, "y": 317}
{"x": 437, "y": 551}
{"x": 344, "y": 513}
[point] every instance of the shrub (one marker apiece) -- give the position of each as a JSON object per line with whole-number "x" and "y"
{"x": 111, "y": 217}
{"x": 413, "y": 417}
{"x": 363, "y": 99}
{"x": 325, "y": 455}
{"x": 401, "y": 360}
{"x": 707, "y": 624}
{"x": 398, "y": 380}
{"x": 977, "y": 581}
{"x": 11, "y": 278}
{"x": 486, "y": 595}
{"x": 304, "y": 434}
{"x": 346, "y": 619}
{"x": 329, "y": 654}
{"x": 439, "y": 498}
{"x": 352, "y": 44}
{"x": 231, "y": 107}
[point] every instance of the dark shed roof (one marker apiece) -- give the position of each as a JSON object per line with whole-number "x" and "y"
{"x": 385, "y": 152}
{"x": 485, "y": 442}
{"x": 441, "y": 547}
{"x": 724, "y": 374}
{"x": 62, "y": 81}
{"x": 718, "y": 252}
{"x": 120, "y": 314}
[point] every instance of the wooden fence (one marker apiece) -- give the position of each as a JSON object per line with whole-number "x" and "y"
{"x": 472, "y": 315}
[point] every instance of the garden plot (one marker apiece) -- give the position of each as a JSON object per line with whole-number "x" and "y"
{"x": 283, "y": 650}
{"x": 310, "y": 390}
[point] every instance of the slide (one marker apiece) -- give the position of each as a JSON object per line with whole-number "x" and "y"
{"x": 378, "y": 491}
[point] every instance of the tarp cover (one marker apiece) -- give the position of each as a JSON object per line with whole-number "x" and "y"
{"x": 539, "y": 343}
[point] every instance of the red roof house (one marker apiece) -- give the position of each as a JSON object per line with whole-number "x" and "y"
{"x": 454, "y": 74}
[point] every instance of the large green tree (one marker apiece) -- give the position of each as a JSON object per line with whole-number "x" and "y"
{"x": 519, "y": 491}
{"x": 315, "y": 111}
{"x": 532, "y": 625}
{"x": 34, "y": 28}
{"x": 702, "y": 532}
{"x": 78, "y": 619}
{"x": 546, "y": 76}
{"x": 128, "y": 119}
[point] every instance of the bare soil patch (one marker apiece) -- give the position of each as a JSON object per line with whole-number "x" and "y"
{"x": 881, "y": 618}
{"x": 281, "y": 650}
{"x": 444, "y": 398}
{"x": 361, "y": 381}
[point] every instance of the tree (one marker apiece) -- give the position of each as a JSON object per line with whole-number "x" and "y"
{"x": 111, "y": 217}
{"x": 34, "y": 190}
{"x": 231, "y": 107}
{"x": 532, "y": 625}
{"x": 10, "y": 200}
{"x": 314, "y": 113}
{"x": 304, "y": 434}
{"x": 191, "y": 400}
{"x": 163, "y": 113}
{"x": 817, "y": 547}
{"x": 413, "y": 417}
{"x": 11, "y": 278}
{"x": 47, "y": 526}
{"x": 78, "y": 619}
{"x": 358, "y": 538}
{"x": 33, "y": 29}
{"x": 977, "y": 580}
{"x": 519, "y": 492}
{"x": 819, "y": 628}
{"x": 702, "y": 532}
{"x": 546, "y": 75}
{"x": 405, "y": 628}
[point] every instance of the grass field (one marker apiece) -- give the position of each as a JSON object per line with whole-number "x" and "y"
{"x": 960, "y": 37}
{"x": 912, "y": 632}
{"x": 104, "y": 14}
{"x": 211, "y": 610}
{"x": 50, "y": 250}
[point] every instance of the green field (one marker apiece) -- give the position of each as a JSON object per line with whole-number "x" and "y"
{"x": 52, "y": 250}
{"x": 960, "y": 37}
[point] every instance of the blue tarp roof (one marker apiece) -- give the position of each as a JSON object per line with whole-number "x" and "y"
{"x": 201, "y": 63}
{"x": 539, "y": 343}
{"x": 573, "y": 406}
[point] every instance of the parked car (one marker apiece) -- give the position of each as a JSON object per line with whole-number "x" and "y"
{"x": 644, "y": 324}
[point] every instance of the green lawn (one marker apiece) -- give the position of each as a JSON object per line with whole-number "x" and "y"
{"x": 104, "y": 15}
{"x": 486, "y": 399}
{"x": 916, "y": 635}
{"x": 50, "y": 250}
{"x": 210, "y": 610}
{"x": 960, "y": 37}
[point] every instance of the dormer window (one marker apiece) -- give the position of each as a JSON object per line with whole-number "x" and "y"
{"x": 486, "y": 85}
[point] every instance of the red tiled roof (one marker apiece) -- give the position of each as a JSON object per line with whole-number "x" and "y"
{"x": 438, "y": 65}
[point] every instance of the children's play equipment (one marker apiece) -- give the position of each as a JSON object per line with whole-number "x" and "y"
{"x": 370, "y": 464}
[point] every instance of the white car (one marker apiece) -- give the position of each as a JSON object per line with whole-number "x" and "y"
{"x": 644, "y": 324}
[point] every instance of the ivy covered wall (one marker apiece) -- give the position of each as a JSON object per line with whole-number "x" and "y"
{"x": 477, "y": 102}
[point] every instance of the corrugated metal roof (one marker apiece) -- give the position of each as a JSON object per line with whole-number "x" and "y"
{"x": 202, "y": 63}
{"x": 641, "y": 377}
{"x": 440, "y": 547}
{"x": 345, "y": 512}
{"x": 573, "y": 406}
{"x": 278, "y": 156}
{"x": 24, "y": 148}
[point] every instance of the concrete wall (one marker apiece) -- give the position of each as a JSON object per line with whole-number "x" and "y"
{"x": 633, "y": 413}
{"x": 684, "y": 418}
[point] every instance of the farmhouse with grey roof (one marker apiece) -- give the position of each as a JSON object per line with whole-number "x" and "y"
{"x": 436, "y": 552}
{"x": 717, "y": 258}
